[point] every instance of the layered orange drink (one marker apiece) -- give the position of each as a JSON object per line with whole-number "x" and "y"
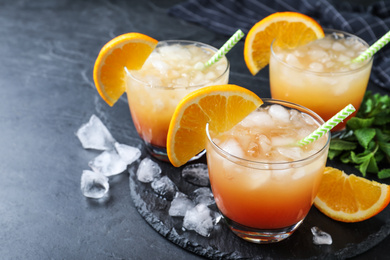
{"x": 168, "y": 75}
{"x": 263, "y": 183}
{"x": 321, "y": 75}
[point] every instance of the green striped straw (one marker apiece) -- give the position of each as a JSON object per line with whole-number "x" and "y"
{"x": 328, "y": 125}
{"x": 222, "y": 51}
{"x": 373, "y": 48}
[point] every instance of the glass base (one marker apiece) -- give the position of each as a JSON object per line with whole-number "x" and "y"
{"x": 161, "y": 152}
{"x": 259, "y": 236}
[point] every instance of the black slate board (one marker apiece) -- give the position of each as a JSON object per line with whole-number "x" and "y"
{"x": 349, "y": 239}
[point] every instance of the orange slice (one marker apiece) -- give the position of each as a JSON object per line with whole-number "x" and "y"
{"x": 349, "y": 198}
{"x": 289, "y": 29}
{"x": 221, "y": 106}
{"x": 128, "y": 50}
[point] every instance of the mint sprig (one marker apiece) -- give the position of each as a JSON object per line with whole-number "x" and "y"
{"x": 366, "y": 140}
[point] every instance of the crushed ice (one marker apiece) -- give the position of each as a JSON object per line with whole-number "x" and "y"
{"x": 148, "y": 170}
{"x": 95, "y": 135}
{"x": 320, "y": 237}
{"x": 197, "y": 174}
{"x": 94, "y": 185}
{"x": 113, "y": 160}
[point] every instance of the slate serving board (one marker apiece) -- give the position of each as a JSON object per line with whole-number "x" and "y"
{"x": 349, "y": 239}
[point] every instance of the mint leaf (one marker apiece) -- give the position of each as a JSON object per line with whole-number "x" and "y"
{"x": 364, "y": 136}
{"x": 383, "y": 174}
{"x": 357, "y": 123}
{"x": 337, "y": 144}
{"x": 365, "y": 143}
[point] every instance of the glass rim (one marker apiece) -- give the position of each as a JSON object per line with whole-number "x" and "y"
{"x": 328, "y": 31}
{"x": 186, "y": 42}
{"x": 261, "y": 164}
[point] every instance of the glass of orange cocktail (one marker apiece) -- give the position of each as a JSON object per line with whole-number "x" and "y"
{"x": 321, "y": 75}
{"x": 263, "y": 184}
{"x": 166, "y": 77}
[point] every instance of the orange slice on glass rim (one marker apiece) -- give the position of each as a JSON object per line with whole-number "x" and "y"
{"x": 128, "y": 50}
{"x": 349, "y": 198}
{"x": 288, "y": 29}
{"x": 222, "y": 106}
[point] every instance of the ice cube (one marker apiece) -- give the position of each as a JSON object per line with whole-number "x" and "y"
{"x": 128, "y": 154}
{"x": 94, "y": 185}
{"x": 199, "y": 219}
{"x": 281, "y": 141}
{"x": 298, "y": 173}
{"x": 320, "y": 237}
{"x": 316, "y": 66}
{"x": 179, "y": 205}
{"x": 95, "y": 135}
{"x": 164, "y": 187}
{"x": 232, "y": 147}
{"x": 161, "y": 66}
{"x": 293, "y": 60}
{"x": 343, "y": 58}
{"x": 325, "y": 44}
{"x": 294, "y": 153}
{"x": 338, "y": 47}
{"x": 277, "y": 112}
{"x": 108, "y": 163}
{"x": 317, "y": 54}
{"x": 202, "y": 195}
{"x": 148, "y": 170}
{"x": 257, "y": 118}
{"x": 282, "y": 174}
{"x": 197, "y": 174}
{"x": 265, "y": 143}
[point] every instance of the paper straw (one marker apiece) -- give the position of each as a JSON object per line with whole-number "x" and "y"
{"x": 373, "y": 48}
{"x": 224, "y": 49}
{"x": 328, "y": 125}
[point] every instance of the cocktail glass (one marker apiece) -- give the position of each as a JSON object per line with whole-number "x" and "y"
{"x": 324, "y": 92}
{"x": 152, "y": 104}
{"x": 265, "y": 201}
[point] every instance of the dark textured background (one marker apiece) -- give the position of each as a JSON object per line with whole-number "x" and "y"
{"x": 47, "y": 51}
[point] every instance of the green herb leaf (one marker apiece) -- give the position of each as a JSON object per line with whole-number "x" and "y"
{"x": 383, "y": 174}
{"x": 366, "y": 141}
{"x": 364, "y": 136}
{"x": 337, "y": 144}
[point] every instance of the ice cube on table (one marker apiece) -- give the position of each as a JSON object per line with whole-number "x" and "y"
{"x": 180, "y": 204}
{"x": 95, "y": 135}
{"x": 128, "y": 154}
{"x": 164, "y": 187}
{"x": 320, "y": 237}
{"x": 196, "y": 174}
{"x": 94, "y": 185}
{"x": 108, "y": 163}
{"x": 199, "y": 219}
{"x": 148, "y": 170}
{"x": 202, "y": 195}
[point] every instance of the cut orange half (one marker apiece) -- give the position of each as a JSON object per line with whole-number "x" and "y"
{"x": 349, "y": 198}
{"x": 288, "y": 29}
{"x": 128, "y": 50}
{"x": 222, "y": 106}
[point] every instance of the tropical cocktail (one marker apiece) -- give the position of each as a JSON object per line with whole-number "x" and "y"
{"x": 263, "y": 183}
{"x": 321, "y": 75}
{"x": 165, "y": 78}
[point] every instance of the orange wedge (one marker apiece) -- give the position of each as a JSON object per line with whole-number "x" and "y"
{"x": 349, "y": 198}
{"x": 128, "y": 50}
{"x": 221, "y": 106}
{"x": 288, "y": 29}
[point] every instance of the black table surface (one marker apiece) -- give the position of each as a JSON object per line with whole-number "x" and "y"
{"x": 48, "y": 49}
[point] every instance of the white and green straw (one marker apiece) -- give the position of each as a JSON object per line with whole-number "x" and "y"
{"x": 328, "y": 125}
{"x": 373, "y": 48}
{"x": 222, "y": 51}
